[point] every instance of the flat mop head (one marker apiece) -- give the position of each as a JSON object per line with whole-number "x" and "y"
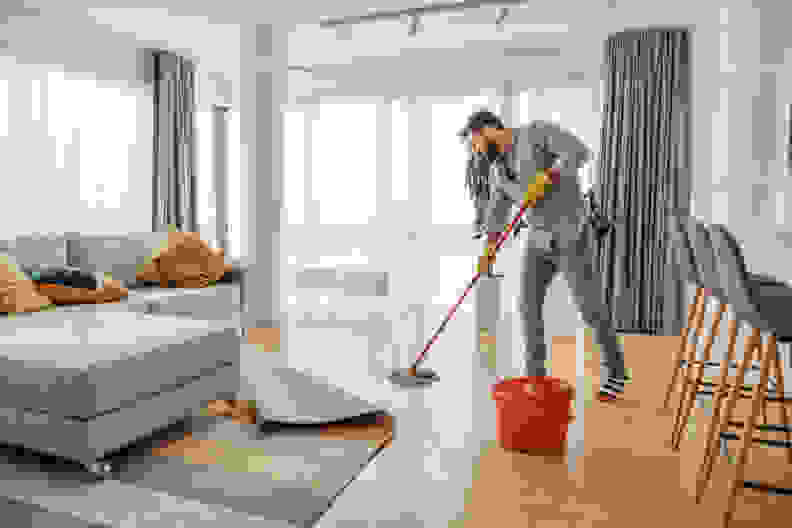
{"x": 411, "y": 377}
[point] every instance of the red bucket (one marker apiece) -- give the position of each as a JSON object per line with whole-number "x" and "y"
{"x": 533, "y": 412}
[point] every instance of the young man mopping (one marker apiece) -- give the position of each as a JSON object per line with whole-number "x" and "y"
{"x": 539, "y": 164}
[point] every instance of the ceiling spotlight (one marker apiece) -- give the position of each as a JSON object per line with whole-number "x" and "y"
{"x": 414, "y": 23}
{"x": 503, "y": 12}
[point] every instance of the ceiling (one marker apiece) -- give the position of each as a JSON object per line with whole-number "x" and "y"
{"x": 529, "y": 24}
{"x": 540, "y": 42}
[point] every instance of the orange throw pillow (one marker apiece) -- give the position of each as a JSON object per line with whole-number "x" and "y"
{"x": 187, "y": 262}
{"x": 18, "y": 292}
{"x": 111, "y": 291}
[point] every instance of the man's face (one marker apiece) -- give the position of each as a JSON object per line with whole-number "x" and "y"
{"x": 483, "y": 142}
{"x": 478, "y": 141}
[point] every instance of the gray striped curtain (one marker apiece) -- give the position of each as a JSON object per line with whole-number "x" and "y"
{"x": 174, "y": 151}
{"x": 643, "y": 169}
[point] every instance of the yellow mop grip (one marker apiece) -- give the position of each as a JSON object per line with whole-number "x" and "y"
{"x": 535, "y": 192}
{"x": 537, "y": 189}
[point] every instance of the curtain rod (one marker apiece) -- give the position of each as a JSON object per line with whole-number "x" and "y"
{"x": 414, "y": 11}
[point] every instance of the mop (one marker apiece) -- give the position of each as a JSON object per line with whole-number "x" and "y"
{"x": 415, "y": 377}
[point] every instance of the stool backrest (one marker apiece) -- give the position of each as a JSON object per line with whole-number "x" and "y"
{"x": 705, "y": 258}
{"x": 683, "y": 251}
{"x": 734, "y": 277}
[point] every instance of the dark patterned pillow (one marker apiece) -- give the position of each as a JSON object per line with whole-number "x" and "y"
{"x": 65, "y": 276}
{"x": 233, "y": 275}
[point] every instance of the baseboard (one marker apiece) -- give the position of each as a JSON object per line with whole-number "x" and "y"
{"x": 631, "y": 331}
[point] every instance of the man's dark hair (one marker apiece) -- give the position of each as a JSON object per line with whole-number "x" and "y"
{"x": 477, "y": 173}
{"x": 479, "y": 120}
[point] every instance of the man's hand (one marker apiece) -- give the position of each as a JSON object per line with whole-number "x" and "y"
{"x": 541, "y": 185}
{"x": 487, "y": 260}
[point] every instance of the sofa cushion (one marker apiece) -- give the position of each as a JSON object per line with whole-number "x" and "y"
{"x": 37, "y": 250}
{"x": 83, "y": 363}
{"x": 120, "y": 256}
{"x": 220, "y": 301}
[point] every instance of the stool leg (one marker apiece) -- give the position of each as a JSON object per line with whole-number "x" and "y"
{"x": 779, "y": 373}
{"x": 713, "y": 433}
{"x": 764, "y": 402}
{"x": 748, "y": 432}
{"x": 691, "y": 357}
{"x": 734, "y": 394}
{"x": 680, "y": 354}
{"x": 690, "y": 398}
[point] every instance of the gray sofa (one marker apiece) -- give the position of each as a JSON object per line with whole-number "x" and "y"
{"x": 120, "y": 257}
{"x": 83, "y": 381}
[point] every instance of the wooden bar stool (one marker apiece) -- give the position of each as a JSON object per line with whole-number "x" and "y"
{"x": 684, "y": 258}
{"x": 765, "y": 309}
{"x": 682, "y": 248}
{"x": 694, "y": 384}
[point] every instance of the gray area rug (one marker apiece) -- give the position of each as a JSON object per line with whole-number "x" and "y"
{"x": 279, "y": 475}
{"x": 276, "y": 474}
{"x": 18, "y": 514}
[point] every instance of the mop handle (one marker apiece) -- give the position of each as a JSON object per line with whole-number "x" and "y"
{"x": 501, "y": 240}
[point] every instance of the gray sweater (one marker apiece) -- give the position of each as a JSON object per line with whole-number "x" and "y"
{"x": 561, "y": 212}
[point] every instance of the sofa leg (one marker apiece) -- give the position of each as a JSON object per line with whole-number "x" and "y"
{"x": 245, "y": 412}
{"x": 239, "y": 410}
{"x": 220, "y": 407}
{"x": 101, "y": 469}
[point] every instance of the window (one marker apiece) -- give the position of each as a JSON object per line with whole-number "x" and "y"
{"x": 103, "y": 136}
{"x": 451, "y": 204}
{"x": 572, "y": 109}
{"x": 780, "y": 206}
{"x": 344, "y": 163}
{"x": 237, "y": 245}
{"x": 400, "y": 153}
{"x": 206, "y": 212}
{"x": 3, "y": 108}
{"x": 534, "y": 106}
{"x": 294, "y": 166}
{"x": 35, "y": 97}
{"x": 204, "y": 156}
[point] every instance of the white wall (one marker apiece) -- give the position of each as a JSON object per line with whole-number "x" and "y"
{"x": 89, "y": 151}
{"x": 215, "y": 49}
{"x": 749, "y": 187}
{"x": 76, "y": 126}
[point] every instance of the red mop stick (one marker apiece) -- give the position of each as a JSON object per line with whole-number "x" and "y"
{"x": 501, "y": 240}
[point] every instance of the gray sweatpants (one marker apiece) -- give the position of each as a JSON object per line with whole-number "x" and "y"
{"x": 541, "y": 262}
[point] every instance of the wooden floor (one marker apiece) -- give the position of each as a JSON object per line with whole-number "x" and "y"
{"x": 628, "y": 476}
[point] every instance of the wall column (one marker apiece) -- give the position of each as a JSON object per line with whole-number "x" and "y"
{"x": 263, "y": 93}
